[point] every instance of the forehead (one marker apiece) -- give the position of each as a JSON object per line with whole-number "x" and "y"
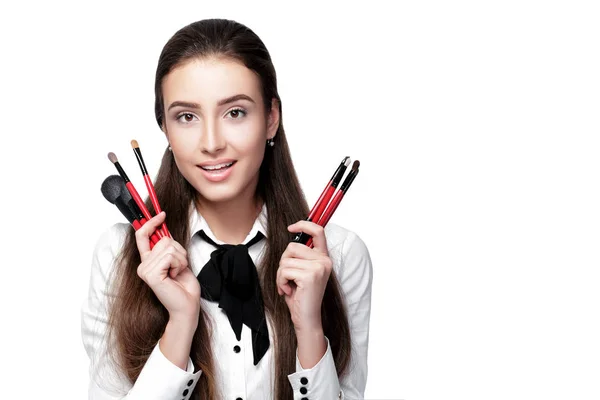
{"x": 209, "y": 80}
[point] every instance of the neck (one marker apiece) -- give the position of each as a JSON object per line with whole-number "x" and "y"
{"x": 231, "y": 221}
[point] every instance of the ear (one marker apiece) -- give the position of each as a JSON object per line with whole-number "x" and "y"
{"x": 163, "y": 128}
{"x": 273, "y": 119}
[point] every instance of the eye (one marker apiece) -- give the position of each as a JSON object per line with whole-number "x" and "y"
{"x": 237, "y": 113}
{"x": 188, "y": 117}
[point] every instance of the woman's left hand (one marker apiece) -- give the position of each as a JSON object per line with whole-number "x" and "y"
{"x": 309, "y": 270}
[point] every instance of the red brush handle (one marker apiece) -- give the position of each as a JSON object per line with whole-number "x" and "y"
{"x": 154, "y": 237}
{"x": 155, "y": 203}
{"x": 326, "y": 216}
{"x": 137, "y": 225}
{"x": 316, "y": 211}
{"x": 138, "y": 200}
{"x": 331, "y": 209}
{"x": 321, "y": 203}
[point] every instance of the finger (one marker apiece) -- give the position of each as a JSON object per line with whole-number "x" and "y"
{"x": 283, "y": 287}
{"x": 148, "y": 269}
{"x": 180, "y": 259}
{"x": 159, "y": 270}
{"x": 157, "y": 249}
{"x": 183, "y": 265}
{"x": 142, "y": 235}
{"x": 179, "y": 247}
{"x": 298, "y": 250}
{"x": 314, "y": 271}
{"x": 306, "y": 265}
{"x": 165, "y": 246}
{"x": 316, "y": 231}
{"x": 165, "y": 243}
{"x": 286, "y": 274}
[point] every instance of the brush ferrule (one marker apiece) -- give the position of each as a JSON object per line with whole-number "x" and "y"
{"x": 134, "y": 209}
{"x": 138, "y": 155}
{"x": 125, "y": 210}
{"x": 348, "y": 181}
{"x": 338, "y": 174}
{"x": 121, "y": 172}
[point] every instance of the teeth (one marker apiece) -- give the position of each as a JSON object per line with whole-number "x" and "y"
{"x": 218, "y": 166}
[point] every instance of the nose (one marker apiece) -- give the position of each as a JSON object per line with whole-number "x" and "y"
{"x": 211, "y": 140}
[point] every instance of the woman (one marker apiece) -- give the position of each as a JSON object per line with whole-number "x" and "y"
{"x": 229, "y": 307}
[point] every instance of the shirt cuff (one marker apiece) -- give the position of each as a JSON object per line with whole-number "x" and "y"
{"x": 318, "y": 382}
{"x": 160, "y": 379}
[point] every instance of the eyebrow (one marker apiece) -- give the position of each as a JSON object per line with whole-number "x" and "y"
{"x": 227, "y": 100}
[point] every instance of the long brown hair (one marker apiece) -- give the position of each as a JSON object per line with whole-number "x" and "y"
{"x": 137, "y": 319}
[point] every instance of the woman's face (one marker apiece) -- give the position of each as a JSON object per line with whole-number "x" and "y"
{"x": 217, "y": 127}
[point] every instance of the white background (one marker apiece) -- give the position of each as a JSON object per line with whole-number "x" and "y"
{"x": 477, "y": 130}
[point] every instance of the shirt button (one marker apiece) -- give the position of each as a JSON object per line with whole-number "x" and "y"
{"x": 303, "y": 390}
{"x": 239, "y": 398}
{"x": 237, "y": 350}
{"x": 303, "y": 381}
{"x": 185, "y": 392}
{"x": 190, "y": 382}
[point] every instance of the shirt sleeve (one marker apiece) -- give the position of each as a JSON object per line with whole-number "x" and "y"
{"x": 159, "y": 378}
{"x": 318, "y": 382}
{"x": 321, "y": 381}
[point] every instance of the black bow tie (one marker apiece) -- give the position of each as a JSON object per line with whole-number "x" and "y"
{"x": 230, "y": 278}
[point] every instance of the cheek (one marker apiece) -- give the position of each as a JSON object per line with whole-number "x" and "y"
{"x": 181, "y": 165}
{"x": 183, "y": 155}
{"x": 254, "y": 149}
{"x": 249, "y": 140}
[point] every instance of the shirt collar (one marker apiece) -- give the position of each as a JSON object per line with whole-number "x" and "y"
{"x": 198, "y": 223}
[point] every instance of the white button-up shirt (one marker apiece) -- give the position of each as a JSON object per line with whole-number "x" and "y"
{"x": 237, "y": 376}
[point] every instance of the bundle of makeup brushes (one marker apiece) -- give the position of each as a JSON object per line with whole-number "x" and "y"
{"x": 325, "y": 206}
{"x": 119, "y": 190}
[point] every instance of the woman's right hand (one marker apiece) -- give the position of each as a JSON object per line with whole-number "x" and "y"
{"x": 165, "y": 270}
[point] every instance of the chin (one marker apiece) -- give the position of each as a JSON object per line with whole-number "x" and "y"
{"x": 218, "y": 194}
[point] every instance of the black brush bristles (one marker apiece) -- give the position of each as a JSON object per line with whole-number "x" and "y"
{"x": 113, "y": 189}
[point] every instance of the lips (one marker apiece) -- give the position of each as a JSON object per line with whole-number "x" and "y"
{"x": 217, "y": 171}
{"x": 217, "y": 167}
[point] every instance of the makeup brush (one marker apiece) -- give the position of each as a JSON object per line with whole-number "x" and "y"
{"x": 321, "y": 203}
{"x": 126, "y": 196}
{"x": 149, "y": 185}
{"x": 337, "y": 199}
{"x": 136, "y": 196}
{"x": 113, "y": 189}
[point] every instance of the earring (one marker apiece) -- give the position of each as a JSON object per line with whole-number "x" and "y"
{"x": 170, "y": 148}
{"x": 270, "y": 142}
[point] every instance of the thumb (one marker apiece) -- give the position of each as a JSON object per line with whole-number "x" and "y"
{"x": 143, "y": 234}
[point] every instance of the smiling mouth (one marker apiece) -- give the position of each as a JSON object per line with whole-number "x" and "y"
{"x": 218, "y": 167}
